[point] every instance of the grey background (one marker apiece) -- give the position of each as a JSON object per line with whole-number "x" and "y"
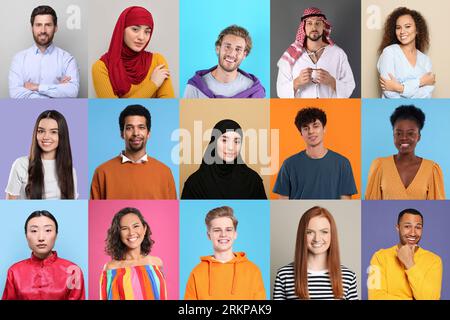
{"x": 345, "y": 19}
{"x": 103, "y": 15}
{"x": 17, "y": 36}
{"x": 284, "y": 218}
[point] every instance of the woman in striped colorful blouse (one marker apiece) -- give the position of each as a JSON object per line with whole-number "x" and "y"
{"x": 132, "y": 274}
{"x": 316, "y": 272}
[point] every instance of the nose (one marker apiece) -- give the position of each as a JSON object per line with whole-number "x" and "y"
{"x": 40, "y": 237}
{"x": 141, "y": 35}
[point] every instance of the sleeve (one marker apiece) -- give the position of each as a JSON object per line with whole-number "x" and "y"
{"x": 259, "y": 292}
{"x": 75, "y": 184}
{"x": 259, "y": 192}
{"x": 347, "y": 181}
{"x": 9, "y": 293}
{"x": 426, "y": 283}
{"x": 78, "y": 291}
{"x": 425, "y": 91}
{"x": 16, "y": 81}
{"x": 283, "y": 183}
{"x": 97, "y": 190}
{"x": 103, "y": 285}
{"x": 436, "y": 185}
{"x": 352, "y": 293}
{"x": 373, "y": 189}
{"x": 279, "y": 288}
{"x": 377, "y": 282}
{"x": 64, "y": 90}
{"x": 285, "y": 80}
{"x": 166, "y": 89}
{"x": 187, "y": 191}
{"x": 100, "y": 79}
{"x": 385, "y": 66}
{"x": 190, "y": 92}
{"x": 172, "y": 191}
{"x": 191, "y": 289}
{"x": 16, "y": 178}
{"x": 345, "y": 83}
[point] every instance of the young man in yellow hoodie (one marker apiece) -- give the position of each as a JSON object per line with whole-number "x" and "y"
{"x": 226, "y": 275}
{"x": 406, "y": 271}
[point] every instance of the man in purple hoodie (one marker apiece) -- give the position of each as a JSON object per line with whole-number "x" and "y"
{"x": 226, "y": 80}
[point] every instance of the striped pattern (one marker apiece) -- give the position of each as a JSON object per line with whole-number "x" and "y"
{"x": 133, "y": 283}
{"x": 318, "y": 283}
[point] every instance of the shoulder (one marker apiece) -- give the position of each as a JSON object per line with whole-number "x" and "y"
{"x": 153, "y": 260}
{"x": 65, "y": 54}
{"x": 295, "y": 158}
{"x": 19, "y": 265}
{"x": 385, "y": 253}
{"x": 432, "y": 164}
{"x": 378, "y": 162}
{"x": 21, "y": 163}
{"x": 423, "y": 56}
{"x": 23, "y": 53}
{"x": 159, "y": 58}
{"x": 67, "y": 263}
{"x": 335, "y": 49}
{"x": 105, "y": 166}
{"x": 113, "y": 264}
{"x": 346, "y": 272}
{"x": 157, "y": 164}
{"x": 99, "y": 65}
{"x": 286, "y": 270}
{"x": 431, "y": 256}
{"x": 390, "y": 50}
{"x": 337, "y": 157}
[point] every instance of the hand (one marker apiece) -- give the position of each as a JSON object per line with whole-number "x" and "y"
{"x": 159, "y": 75}
{"x": 64, "y": 79}
{"x": 406, "y": 255}
{"x": 303, "y": 78}
{"x": 324, "y": 77}
{"x": 391, "y": 84}
{"x": 31, "y": 86}
{"x": 428, "y": 79}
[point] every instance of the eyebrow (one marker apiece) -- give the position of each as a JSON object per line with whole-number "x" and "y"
{"x": 49, "y": 129}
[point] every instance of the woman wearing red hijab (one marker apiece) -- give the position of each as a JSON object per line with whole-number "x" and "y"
{"x": 127, "y": 70}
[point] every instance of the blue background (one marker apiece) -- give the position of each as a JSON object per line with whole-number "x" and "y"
{"x": 72, "y": 240}
{"x": 253, "y": 235}
{"x": 379, "y": 219}
{"x": 105, "y": 142}
{"x": 200, "y": 24}
{"x": 377, "y": 135}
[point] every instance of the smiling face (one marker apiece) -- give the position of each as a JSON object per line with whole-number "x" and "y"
{"x": 132, "y": 231}
{"x": 47, "y": 136}
{"x": 135, "y": 133}
{"x": 313, "y": 133}
{"x": 137, "y": 37}
{"x": 314, "y": 27}
{"x": 405, "y": 29}
{"x": 43, "y": 30}
{"x": 318, "y": 235}
{"x": 410, "y": 229}
{"x": 222, "y": 234}
{"x": 406, "y": 135}
{"x": 231, "y": 52}
{"x": 41, "y": 236}
{"x": 229, "y": 146}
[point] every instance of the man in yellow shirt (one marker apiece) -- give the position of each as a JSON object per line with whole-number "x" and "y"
{"x": 406, "y": 271}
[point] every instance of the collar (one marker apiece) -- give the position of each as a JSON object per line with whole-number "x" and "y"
{"x": 49, "y": 49}
{"x": 126, "y": 159}
{"x": 45, "y": 262}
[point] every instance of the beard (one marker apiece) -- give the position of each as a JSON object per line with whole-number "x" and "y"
{"x": 136, "y": 148}
{"x": 317, "y": 37}
{"x": 41, "y": 42}
{"x": 222, "y": 64}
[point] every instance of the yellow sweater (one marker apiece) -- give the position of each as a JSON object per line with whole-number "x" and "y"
{"x": 145, "y": 89}
{"x": 388, "y": 279}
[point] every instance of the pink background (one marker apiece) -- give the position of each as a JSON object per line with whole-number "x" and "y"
{"x": 162, "y": 216}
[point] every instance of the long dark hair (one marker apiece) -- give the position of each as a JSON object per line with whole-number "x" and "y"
{"x": 64, "y": 169}
{"x": 115, "y": 248}
{"x": 389, "y": 36}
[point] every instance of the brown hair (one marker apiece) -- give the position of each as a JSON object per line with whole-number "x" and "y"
{"x": 219, "y": 213}
{"x": 389, "y": 36}
{"x": 236, "y": 31}
{"x": 301, "y": 255}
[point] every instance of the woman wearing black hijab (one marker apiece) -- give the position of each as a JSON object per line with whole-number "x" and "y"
{"x": 223, "y": 174}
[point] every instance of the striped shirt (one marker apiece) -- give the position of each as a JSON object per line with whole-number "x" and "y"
{"x": 319, "y": 284}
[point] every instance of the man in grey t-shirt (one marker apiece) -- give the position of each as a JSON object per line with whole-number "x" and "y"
{"x": 317, "y": 172}
{"x": 226, "y": 80}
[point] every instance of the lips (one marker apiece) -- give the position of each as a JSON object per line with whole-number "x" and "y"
{"x": 224, "y": 241}
{"x": 41, "y": 246}
{"x": 132, "y": 239}
{"x": 318, "y": 245}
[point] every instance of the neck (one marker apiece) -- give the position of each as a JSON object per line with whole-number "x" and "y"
{"x": 48, "y": 155}
{"x": 135, "y": 155}
{"x": 316, "y": 152}
{"x": 42, "y": 256}
{"x": 317, "y": 262}
{"x": 43, "y": 48}
{"x": 405, "y": 157}
{"x": 133, "y": 254}
{"x": 314, "y": 45}
{"x": 224, "y": 76}
{"x": 224, "y": 256}
{"x": 409, "y": 48}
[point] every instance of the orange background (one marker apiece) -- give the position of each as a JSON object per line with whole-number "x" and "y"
{"x": 343, "y": 131}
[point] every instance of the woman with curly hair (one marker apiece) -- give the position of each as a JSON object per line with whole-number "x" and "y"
{"x": 404, "y": 69}
{"x": 132, "y": 274}
{"x": 405, "y": 176}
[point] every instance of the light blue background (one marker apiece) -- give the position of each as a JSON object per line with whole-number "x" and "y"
{"x": 377, "y": 135}
{"x": 200, "y": 24}
{"x": 105, "y": 142}
{"x": 253, "y": 235}
{"x": 72, "y": 240}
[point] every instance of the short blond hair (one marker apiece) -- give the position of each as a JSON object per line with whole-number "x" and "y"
{"x": 236, "y": 31}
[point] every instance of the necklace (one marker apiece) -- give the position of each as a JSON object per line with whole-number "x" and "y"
{"x": 314, "y": 53}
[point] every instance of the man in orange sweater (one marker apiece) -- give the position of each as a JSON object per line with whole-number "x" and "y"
{"x": 226, "y": 275}
{"x": 133, "y": 174}
{"x": 406, "y": 271}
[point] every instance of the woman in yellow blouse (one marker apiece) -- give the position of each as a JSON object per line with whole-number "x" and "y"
{"x": 127, "y": 70}
{"x": 405, "y": 176}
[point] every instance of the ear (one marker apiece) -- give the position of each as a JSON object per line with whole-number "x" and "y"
{"x": 121, "y": 134}
{"x": 235, "y": 235}
{"x": 397, "y": 227}
{"x": 148, "y": 135}
{"x": 217, "y": 50}
{"x": 207, "y": 234}
{"x": 56, "y": 28}
{"x": 420, "y": 136}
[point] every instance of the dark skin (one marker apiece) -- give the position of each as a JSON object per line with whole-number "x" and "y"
{"x": 406, "y": 136}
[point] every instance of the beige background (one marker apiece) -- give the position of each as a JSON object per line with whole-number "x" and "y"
{"x": 249, "y": 113}
{"x": 284, "y": 218}
{"x": 436, "y": 14}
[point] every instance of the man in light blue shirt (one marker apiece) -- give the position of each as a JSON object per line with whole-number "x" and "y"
{"x": 44, "y": 70}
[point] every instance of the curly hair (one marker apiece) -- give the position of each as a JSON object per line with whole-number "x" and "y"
{"x": 309, "y": 115}
{"x": 115, "y": 248}
{"x": 389, "y": 36}
{"x": 409, "y": 112}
